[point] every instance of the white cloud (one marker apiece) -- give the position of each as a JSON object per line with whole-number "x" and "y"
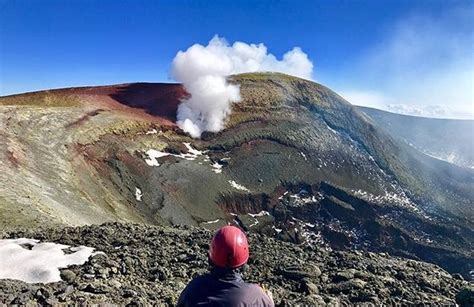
{"x": 426, "y": 63}
{"x": 203, "y": 71}
{"x": 377, "y": 100}
{"x": 425, "y": 111}
{"x": 371, "y": 99}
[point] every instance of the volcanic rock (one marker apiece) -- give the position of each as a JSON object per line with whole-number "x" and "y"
{"x": 157, "y": 270}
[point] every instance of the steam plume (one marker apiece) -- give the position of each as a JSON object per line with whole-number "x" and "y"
{"x": 422, "y": 66}
{"x": 203, "y": 71}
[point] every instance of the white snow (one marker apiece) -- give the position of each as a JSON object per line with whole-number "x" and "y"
{"x": 392, "y": 198}
{"x": 138, "y": 194}
{"x": 255, "y": 223}
{"x": 192, "y": 150}
{"x": 261, "y": 213}
{"x": 191, "y": 155}
{"x": 41, "y": 264}
{"x": 447, "y": 157}
{"x": 238, "y": 186}
{"x": 255, "y": 215}
{"x": 398, "y": 198}
{"x": 152, "y": 131}
{"x": 278, "y": 230}
{"x": 212, "y": 222}
{"x": 153, "y": 155}
{"x": 332, "y": 130}
{"x": 217, "y": 168}
{"x": 304, "y": 197}
{"x": 284, "y": 194}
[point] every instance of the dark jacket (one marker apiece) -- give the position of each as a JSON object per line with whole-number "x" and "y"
{"x": 223, "y": 287}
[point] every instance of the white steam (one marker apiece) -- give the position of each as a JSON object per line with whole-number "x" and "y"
{"x": 423, "y": 65}
{"x": 203, "y": 71}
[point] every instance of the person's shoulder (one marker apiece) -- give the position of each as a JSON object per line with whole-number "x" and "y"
{"x": 199, "y": 279}
{"x": 193, "y": 290}
{"x": 258, "y": 294}
{"x": 253, "y": 287}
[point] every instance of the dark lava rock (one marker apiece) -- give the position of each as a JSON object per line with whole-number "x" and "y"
{"x": 149, "y": 265}
{"x": 344, "y": 275}
{"x": 309, "y": 288}
{"x": 458, "y": 276}
{"x": 465, "y": 297}
{"x": 68, "y": 276}
{"x": 297, "y": 273}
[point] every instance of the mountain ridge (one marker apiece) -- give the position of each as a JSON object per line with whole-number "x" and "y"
{"x": 450, "y": 140}
{"x": 290, "y": 146}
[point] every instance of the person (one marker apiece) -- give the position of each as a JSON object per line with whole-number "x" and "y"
{"x": 223, "y": 284}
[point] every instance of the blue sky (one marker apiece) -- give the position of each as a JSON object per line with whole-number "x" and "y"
{"x": 363, "y": 49}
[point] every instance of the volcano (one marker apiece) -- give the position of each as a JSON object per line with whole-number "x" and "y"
{"x": 295, "y": 161}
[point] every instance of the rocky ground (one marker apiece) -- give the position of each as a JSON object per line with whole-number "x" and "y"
{"x": 145, "y": 265}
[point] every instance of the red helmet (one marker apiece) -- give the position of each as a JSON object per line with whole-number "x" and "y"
{"x": 229, "y": 248}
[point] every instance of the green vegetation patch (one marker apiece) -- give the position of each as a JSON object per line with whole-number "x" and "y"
{"x": 43, "y": 99}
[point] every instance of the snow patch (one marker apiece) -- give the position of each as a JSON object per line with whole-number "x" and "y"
{"x": 261, "y": 213}
{"x": 138, "y": 194}
{"x": 255, "y": 215}
{"x": 191, "y": 150}
{"x": 217, "y": 168}
{"x": 153, "y": 155}
{"x": 332, "y": 130}
{"x": 152, "y": 131}
{"x": 278, "y": 230}
{"x": 191, "y": 155}
{"x": 41, "y": 263}
{"x": 255, "y": 223}
{"x": 399, "y": 198}
{"x": 238, "y": 186}
{"x": 212, "y": 222}
{"x": 392, "y": 198}
{"x": 302, "y": 198}
{"x": 451, "y": 157}
{"x": 284, "y": 194}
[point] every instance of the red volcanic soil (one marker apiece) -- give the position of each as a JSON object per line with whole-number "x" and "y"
{"x": 152, "y": 101}
{"x": 156, "y": 102}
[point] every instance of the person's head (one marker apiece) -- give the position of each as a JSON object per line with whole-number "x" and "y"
{"x": 229, "y": 248}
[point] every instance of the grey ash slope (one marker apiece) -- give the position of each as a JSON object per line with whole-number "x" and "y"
{"x": 145, "y": 265}
{"x": 445, "y": 139}
{"x": 321, "y": 171}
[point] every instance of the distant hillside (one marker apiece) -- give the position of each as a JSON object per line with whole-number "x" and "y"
{"x": 450, "y": 140}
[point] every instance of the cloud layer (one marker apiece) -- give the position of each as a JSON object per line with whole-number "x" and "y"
{"x": 425, "y": 64}
{"x": 203, "y": 71}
